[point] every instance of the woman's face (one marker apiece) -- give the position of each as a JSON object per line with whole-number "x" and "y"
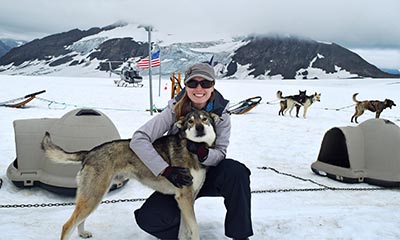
{"x": 199, "y": 95}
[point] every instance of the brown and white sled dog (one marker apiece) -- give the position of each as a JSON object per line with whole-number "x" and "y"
{"x": 102, "y": 163}
{"x": 297, "y": 99}
{"x": 309, "y": 100}
{"x": 371, "y": 105}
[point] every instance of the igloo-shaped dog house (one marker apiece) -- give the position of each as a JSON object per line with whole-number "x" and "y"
{"x": 369, "y": 152}
{"x": 79, "y": 129}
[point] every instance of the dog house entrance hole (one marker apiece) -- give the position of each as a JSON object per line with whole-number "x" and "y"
{"x": 334, "y": 149}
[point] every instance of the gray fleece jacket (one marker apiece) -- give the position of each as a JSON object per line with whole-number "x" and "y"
{"x": 164, "y": 123}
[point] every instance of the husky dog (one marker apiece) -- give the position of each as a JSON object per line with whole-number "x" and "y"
{"x": 102, "y": 163}
{"x": 298, "y": 99}
{"x": 309, "y": 100}
{"x": 372, "y": 105}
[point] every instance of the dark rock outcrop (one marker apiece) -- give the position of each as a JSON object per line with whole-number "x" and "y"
{"x": 118, "y": 50}
{"x": 47, "y": 47}
{"x": 286, "y": 56}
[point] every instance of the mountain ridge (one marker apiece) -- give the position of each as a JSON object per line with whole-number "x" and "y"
{"x": 262, "y": 57}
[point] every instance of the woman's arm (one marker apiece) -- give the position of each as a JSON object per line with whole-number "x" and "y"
{"x": 143, "y": 138}
{"x": 223, "y": 130}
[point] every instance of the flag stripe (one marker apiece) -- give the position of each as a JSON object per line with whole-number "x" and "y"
{"x": 145, "y": 63}
{"x": 155, "y": 61}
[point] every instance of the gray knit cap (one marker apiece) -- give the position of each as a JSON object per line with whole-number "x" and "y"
{"x": 203, "y": 70}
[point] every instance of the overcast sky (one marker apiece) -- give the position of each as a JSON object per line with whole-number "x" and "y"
{"x": 350, "y": 23}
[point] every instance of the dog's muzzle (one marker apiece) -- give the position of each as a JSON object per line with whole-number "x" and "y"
{"x": 200, "y": 130}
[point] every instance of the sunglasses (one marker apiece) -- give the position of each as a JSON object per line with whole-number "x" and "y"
{"x": 203, "y": 84}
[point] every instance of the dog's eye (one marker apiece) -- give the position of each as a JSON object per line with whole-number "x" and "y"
{"x": 190, "y": 121}
{"x": 204, "y": 119}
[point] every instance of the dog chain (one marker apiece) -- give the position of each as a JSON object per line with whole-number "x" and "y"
{"x": 321, "y": 188}
{"x": 42, "y": 205}
{"x": 338, "y": 109}
{"x": 272, "y": 102}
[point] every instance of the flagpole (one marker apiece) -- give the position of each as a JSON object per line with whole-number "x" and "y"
{"x": 159, "y": 74}
{"x": 148, "y": 29}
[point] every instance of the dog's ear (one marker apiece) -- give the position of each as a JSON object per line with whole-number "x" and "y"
{"x": 303, "y": 93}
{"x": 179, "y": 124}
{"x": 215, "y": 117}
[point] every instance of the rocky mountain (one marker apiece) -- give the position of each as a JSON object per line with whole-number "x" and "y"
{"x": 299, "y": 58}
{"x": 96, "y": 50}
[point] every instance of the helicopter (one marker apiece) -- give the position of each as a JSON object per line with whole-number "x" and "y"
{"x": 129, "y": 76}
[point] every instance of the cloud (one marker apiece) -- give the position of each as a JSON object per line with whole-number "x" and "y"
{"x": 382, "y": 58}
{"x": 352, "y": 24}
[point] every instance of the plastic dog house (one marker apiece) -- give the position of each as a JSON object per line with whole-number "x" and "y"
{"x": 80, "y": 129}
{"x": 369, "y": 152}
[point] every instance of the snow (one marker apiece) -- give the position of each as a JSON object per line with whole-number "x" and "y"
{"x": 318, "y": 72}
{"x": 259, "y": 138}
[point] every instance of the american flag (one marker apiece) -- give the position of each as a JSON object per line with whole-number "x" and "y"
{"x": 155, "y": 61}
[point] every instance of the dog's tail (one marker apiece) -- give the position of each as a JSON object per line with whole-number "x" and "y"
{"x": 279, "y": 95}
{"x": 354, "y": 98}
{"x": 55, "y": 153}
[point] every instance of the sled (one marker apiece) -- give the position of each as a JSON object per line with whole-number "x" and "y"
{"x": 156, "y": 109}
{"x": 244, "y": 106}
{"x": 20, "y": 102}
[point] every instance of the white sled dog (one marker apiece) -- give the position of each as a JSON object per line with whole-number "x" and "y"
{"x": 102, "y": 163}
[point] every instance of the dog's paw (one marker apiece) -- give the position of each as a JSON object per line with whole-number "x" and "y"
{"x": 85, "y": 234}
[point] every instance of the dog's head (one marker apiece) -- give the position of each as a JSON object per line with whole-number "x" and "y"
{"x": 317, "y": 97}
{"x": 199, "y": 126}
{"x": 302, "y": 96}
{"x": 389, "y": 103}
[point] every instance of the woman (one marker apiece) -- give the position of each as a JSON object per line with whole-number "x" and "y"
{"x": 228, "y": 178}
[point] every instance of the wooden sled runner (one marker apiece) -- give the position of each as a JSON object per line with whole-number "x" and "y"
{"x": 22, "y": 101}
{"x": 244, "y": 106}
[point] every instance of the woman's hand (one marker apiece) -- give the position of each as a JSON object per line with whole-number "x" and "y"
{"x": 179, "y": 176}
{"x": 200, "y": 149}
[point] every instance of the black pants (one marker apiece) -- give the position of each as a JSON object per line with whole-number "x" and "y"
{"x": 160, "y": 215}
